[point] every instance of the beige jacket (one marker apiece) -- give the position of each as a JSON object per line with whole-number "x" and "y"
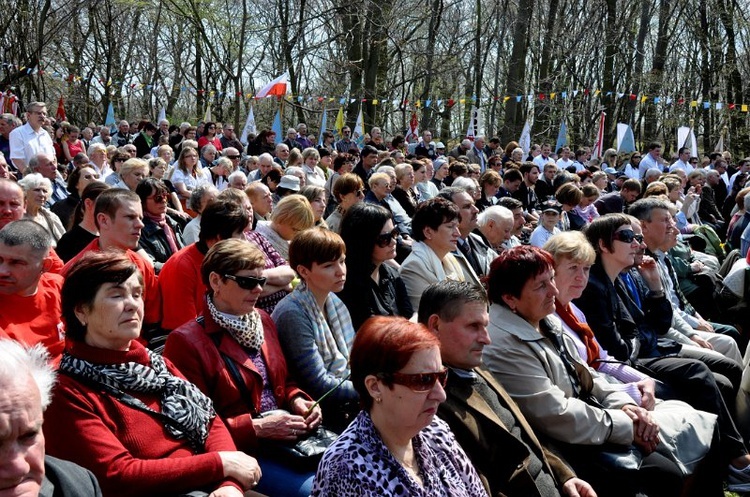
{"x": 531, "y": 370}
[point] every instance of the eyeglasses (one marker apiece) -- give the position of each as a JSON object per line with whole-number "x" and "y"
{"x": 636, "y": 157}
{"x": 233, "y": 157}
{"x": 418, "y": 382}
{"x": 159, "y": 197}
{"x": 384, "y": 239}
{"x": 246, "y": 282}
{"x": 360, "y": 193}
{"x": 627, "y": 236}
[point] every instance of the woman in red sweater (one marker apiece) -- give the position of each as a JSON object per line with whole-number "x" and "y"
{"x": 121, "y": 410}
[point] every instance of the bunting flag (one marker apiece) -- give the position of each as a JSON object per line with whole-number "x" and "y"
{"x": 339, "y": 125}
{"x": 162, "y": 115}
{"x": 276, "y": 88}
{"x": 562, "y": 136}
{"x": 60, "y": 114}
{"x": 323, "y": 126}
{"x": 625, "y": 138}
{"x": 525, "y": 141}
{"x": 413, "y": 132}
{"x": 110, "y": 119}
{"x": 276, "y": 127}
{"x": 473, "y": 130}
{"x": 686, "y": 138}
{"x": 599, "y": 143}
{"x": 207, "y": 117}
{"x": 249, "y": 127}
{"x": 358, "y": 135}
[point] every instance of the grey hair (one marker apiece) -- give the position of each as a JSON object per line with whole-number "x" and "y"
{"x": 196, "y": 196}
{"x": 642, "y": 209}
{"x": 34, "y": 180}
{"x": 235, "y": 174}
{"x": 265, "y": 156}
{"x": 34, "y": 161}
{"x": 494, "y": 213}
{"x": 652, "y": 172}
{"x": 26, "y": 232}
{"x": 464, "y": 183}
{"x": 15, "y": 360}
{"x": 96, "y": 146}
{"x": 208, "y": 148}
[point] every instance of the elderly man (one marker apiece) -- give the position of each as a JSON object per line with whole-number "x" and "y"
{"x": 104, "y": 137}
{"x": 229, "y": 140}
{"x": 31, "y": 139}
{"x": 486, "y": 421}
{"x": 376, "y": 139}
{"x": 46, "y": 165}
{"x": 233, "y": 155}
{"x": 30, "y": 306}
{"x": 477, "y": 155}
{"x": 471, "y": 247}
{"x": 282, "y": 154}
{"x": 123, "y": 135}
{"x": 26, "y": 380}
{"x": 261, "y": 199}
{"x": 265, "y": 164}
{"x": 495, "y": 226}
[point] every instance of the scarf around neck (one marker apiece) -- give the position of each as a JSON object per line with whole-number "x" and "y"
{"x": 582, "y": 330}
{"x": 247, "y": 330}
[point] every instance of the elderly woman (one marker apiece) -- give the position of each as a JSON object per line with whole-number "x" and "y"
{"x": 396, "y": 443}
{"x": 97, "y": 154}
{"x": 78, "y": 179}
{"x": 131, "y": 173}
{"x": 373, "y": 285}
{"x": 37, "y": 190}
{"x": 559, "y": 395}
{"x": 200, "y": 197}
{"x": 121, "y": 410}
{"x": 435, "y": 233}
{"x": 314, "y": 175}
{"x": 292, "y": 215}
{"x": 314, "y": 326}
{"x": 188, "y": 174}
{"x": 316, "y": 195}
{"x": 249, "y": 396}
{"x": 161, "y": 236}
{"x": 348, "y": 191}
{"x": 404, "y": 192}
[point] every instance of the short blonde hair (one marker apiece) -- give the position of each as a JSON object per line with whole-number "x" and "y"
{"x": 570, "y": 245}
{"x": 378, "y": 177}
{"x": 131, "y": 165}
{"x": 402, "y": 170}
{"x": 294, "y": 211}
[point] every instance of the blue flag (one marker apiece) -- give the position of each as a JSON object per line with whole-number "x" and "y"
{"x": 562, "y": 136}
{"x": 277, "y": 127}
{"x": 625, "y": 138}
{"x": 110, "y": 119}
{"x": 323, "y": 126}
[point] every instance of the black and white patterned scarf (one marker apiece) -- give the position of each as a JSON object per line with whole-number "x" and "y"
{"x": 181, "y": 401}
{"x": 247, "y": 329}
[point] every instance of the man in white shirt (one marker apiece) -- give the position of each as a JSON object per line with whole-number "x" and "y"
{"x": 652, "y": 160}
{"x": 30, "y": 139}
{"x": 542, "y": 159}
{"x": 564, "y": 161}
{"x": 682, "y": 162}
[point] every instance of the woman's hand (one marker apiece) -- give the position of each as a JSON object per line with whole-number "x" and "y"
{"x": 227, "y": 491}
{"x": 241, "y": 467}
{"x": 575, "y": 487}
{"x": 647, "y": 387}
{"x": 313, "y": 418}
{"x": 645, "y": 429}
{"x": 282, "y": 426}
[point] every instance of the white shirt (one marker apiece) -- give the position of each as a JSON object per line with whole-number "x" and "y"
{"x": 685, "y": 166}
{"x": 564, "y": 164}
{"x": 25, "y": 143}
{"x": 541, "y": 161}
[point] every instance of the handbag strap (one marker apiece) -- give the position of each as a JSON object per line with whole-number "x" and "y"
{"x": 233, "y": 371}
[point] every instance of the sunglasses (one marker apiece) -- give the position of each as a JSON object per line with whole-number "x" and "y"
{"x": 384, "y": 239}
{"x": 159, "y": 197}
{"x": 246, "y": 282}
{"x": 627, "y": 236}
{"x": 636, "y": 157}
{"x": 360, "y": 193}
{"x": 233, "y": 157}
{"x": 418, "y": 382}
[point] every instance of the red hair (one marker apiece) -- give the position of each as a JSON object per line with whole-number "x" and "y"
{"x": 510, "y": 271}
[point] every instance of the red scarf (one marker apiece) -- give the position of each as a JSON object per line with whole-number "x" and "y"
{"x": 582, "y": 330}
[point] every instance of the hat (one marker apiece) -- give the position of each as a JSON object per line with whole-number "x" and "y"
{"x": 439, "y": 145}
{"x": 610, "y": 170}
{"x": 289, "y": 182}
{"x": 551, "y": 206}
{"x": 619, "y": 174}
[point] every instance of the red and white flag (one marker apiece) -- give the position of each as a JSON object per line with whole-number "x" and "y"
{"x": 599, "y": 144}
{"x": 276, "y": 88}
{"x": 60, "y": 114}
{"x": 413, "y": 133}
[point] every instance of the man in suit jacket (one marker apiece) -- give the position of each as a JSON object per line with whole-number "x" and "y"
{"x": 487, "y": 423}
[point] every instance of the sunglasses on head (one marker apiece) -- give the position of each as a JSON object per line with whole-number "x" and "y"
{"x": 384, "y": 239}
{"x": 246, "y": 282}
{"x": 627, "y": 236}
{"x": 417, "y": 382}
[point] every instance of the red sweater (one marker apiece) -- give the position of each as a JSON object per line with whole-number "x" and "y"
{"x": 36, "y": 318}
{"x": 181, "y": 287}
{"x": 151, "y": 300}
{"x": 129, "y": 451}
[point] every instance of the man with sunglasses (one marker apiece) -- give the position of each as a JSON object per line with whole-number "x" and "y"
{"x": 485, "y": 420}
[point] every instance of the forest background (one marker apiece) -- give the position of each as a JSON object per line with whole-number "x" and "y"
{"x": 653, "y": 64}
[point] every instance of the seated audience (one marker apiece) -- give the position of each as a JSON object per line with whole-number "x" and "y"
{"x": 37, "y": 190}
{"x": 290, "y": 216}
{"x": 200, "y": 197}
{"x": 84, "y": 229}
{"x": 348, "y": 191}
{"x": 161, "y": 236}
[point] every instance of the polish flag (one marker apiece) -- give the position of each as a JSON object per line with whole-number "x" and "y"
{"x": 277, "y": 87}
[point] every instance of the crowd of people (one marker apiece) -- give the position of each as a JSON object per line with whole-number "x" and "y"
{"x": 182, "y": 309}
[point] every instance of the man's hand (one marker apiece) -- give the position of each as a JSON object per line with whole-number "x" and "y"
{"x": 575, "y": 487}
{"x": 704, "y": 325}
{"x": 701, "y": 342}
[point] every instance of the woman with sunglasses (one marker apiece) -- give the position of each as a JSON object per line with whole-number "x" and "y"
{"x": 373, "y": 286}
{"x": 161, "y": 236}
{"x": 232, "y": 353}
{"x": 348, "y": 190}
{"x": 315, "y": 329}
{"x": 396, "y": 443}
{"x": 209, "y": 137}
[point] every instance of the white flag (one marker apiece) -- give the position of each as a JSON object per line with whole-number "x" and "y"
{"x": 473, "y": 130}
{"x": 525, "y": 141}
{"x": 249, "y": 127}
{"x": 359, "y": 130}
{"x": 207, "y": 117}
{"x": 162, "y": 115}
{"x": 686, "y": 138}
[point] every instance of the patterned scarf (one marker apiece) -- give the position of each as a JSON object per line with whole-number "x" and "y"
{"x": 181, "y": 401}
{"x": 583, "y": 331}
{"x": 333, "y": 330}
{"x": 247, "y": 329}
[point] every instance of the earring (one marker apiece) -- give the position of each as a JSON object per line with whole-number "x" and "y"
{"x": 378, "y": 399}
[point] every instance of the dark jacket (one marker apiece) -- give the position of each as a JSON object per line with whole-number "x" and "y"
{"x": 364, "y": 298}
{"x": 154, "y": 241}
